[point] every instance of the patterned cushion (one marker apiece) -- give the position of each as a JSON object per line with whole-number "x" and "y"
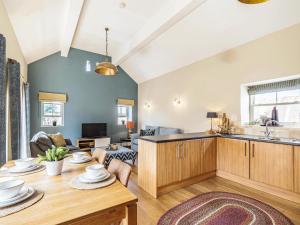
{"x": 58, "y": 140}
{"x": 147, "y": 132}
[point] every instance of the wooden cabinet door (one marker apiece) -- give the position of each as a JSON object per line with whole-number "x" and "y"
{"x": 297, "y": 169}
{"x": 233, "y": 156}
{"x": 199, "y": 157}
{"x": 209, "y": 155}
{"x": 272, "y": 164}
{"x": 168, "y": 163}
{"x": 191, "y": 160}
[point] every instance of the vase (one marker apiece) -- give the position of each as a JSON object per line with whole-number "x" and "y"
{"x": 54, "y": 168}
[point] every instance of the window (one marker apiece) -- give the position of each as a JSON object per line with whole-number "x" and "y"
{"x": 124, "y": 114}
{"x": 52, "y": 114}
{"x": 287, "y": 103}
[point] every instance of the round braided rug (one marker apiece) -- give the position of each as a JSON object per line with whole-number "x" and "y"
{"x": 221, "y": 208}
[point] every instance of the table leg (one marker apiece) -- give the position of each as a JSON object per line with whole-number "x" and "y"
{"x": 131, "y": 214}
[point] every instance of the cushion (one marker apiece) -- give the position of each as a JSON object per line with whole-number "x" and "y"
{"x": 58, "y": 140}
{"x": 167, "y": 131}
{"x": 147, "y": 132}
{"x": 135, "y": 141}
{"x": 156, "y": 128}
{"x": 44, "y": 141}
{"x": 38, "y": 135}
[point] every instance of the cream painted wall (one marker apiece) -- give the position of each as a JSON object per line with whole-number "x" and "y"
{"x": 214, "y": 84}
{"x": 13, "y": 49}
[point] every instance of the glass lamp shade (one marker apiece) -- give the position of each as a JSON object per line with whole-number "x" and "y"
{"x": 253, "y": 1}
{"x": 106, "y": 69}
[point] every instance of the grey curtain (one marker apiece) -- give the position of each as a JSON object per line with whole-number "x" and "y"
{"x": 25, "y": 122}
{"x": 274, "y": 87}
{"x": 13, "y": 72}
{"x": 3, "y": 91}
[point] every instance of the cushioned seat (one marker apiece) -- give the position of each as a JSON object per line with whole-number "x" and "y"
{"x": 41, "y": 142}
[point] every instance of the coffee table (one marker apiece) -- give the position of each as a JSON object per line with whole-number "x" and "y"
{"x": 122, "y": 154}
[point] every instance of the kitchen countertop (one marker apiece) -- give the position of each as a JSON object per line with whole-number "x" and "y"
{"x": 200, "y": 135}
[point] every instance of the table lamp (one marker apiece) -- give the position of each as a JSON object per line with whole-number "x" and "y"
{"x": 211, "y": 115}
{"x": 129, "y": 126}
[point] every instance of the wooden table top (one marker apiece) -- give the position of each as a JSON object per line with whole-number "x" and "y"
{"x": 61, "y": 203}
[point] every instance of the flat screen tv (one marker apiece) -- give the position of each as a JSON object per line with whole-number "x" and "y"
{"x": 94, "y": 130}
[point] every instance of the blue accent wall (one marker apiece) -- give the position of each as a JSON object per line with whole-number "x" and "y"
{"x": 91, "y": 98}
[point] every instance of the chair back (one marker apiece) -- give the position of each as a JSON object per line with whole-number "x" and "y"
{"x": 121, "y": 170}
{"x": 99, "y": 155}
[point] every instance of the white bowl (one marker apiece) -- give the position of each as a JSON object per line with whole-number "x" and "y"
{"x": 95, "y": 170}
{"x": 23, "y": 163}
{"x": 10, "y": 188}
{"x": 78, "y": 155}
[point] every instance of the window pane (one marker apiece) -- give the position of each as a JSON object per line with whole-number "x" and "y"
{"x": 289, "y": 113}
{"x": 288, "y": 96}
{"x": 122, "y": 120}
{"x": 259, "y": 111}
{"x": 57, "y": 109}
{"x": 48, "y": 121}
{"x": 47, "y": 109}
{"x": 266, "y": 98}
{"x": 122, "y": 111}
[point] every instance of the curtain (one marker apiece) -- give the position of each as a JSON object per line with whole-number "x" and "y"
{"x": 3, "y": 95}
{"x": 13, "y": 72}
{"x": 25, "y": 121}
{"x": 273, "y": 87}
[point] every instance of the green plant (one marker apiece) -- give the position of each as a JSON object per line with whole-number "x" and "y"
{"x": 54, "y": 154}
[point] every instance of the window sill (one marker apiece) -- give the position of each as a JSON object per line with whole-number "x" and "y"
{"x": 292, "y": 127}
{"x": 53, "y": 126}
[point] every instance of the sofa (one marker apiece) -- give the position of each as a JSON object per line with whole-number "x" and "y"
{"x": 157, "y": 131}
{"x": 41, "y": 142}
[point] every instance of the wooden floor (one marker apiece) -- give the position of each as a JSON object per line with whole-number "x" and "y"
{"x": 150, "y": 209}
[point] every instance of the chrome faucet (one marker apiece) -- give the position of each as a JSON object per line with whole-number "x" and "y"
{"x": 268, "y": 132}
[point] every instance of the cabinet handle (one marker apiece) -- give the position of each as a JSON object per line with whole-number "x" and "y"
{"x": 245, "y": 149}
{"x": 177, "y": 151}
{"x": 253, "y": 150}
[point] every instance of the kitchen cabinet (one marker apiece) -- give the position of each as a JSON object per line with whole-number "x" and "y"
{"x": 297, "y": 169}
{"x": 233, "y": 156}
{"x": 272, "y": 164}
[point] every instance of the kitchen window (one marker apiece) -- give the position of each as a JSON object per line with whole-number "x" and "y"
{"x": 285, "y": 96}
{"x": 52, "y": 114}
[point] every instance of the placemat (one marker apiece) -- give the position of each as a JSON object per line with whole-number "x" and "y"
{"x": 5, "y": 173}
{"x": 37, "y": 196}
{"x": 75, "y": 183}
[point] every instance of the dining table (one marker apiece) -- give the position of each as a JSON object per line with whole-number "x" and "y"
{"x": 63, "y": 204}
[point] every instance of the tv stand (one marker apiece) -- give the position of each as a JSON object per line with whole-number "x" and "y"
{"x": 86, "y": 144}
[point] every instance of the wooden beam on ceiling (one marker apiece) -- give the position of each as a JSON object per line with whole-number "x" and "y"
{"x": 72, "y": 18}
{"x": 171, "y": 13}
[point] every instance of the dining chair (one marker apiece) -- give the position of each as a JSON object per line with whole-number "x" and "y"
{"x": 99, "y": 155}
{"x": 121, "y": 170}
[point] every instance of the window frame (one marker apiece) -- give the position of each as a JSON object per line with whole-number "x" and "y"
{"x": 251, "y": 107}
{"x": 62, "y": 113}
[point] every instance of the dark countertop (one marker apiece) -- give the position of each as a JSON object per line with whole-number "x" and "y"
{"x": 200, "y": 135}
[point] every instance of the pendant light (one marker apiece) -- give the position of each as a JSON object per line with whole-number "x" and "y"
{"x": 106, "y": 68}
{"x": 253, "y": 1}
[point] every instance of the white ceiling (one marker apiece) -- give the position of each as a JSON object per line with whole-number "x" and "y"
{"x": 148, "y": 38}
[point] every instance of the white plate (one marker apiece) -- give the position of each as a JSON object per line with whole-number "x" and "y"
{"x": 29, "y": 193}
{"x": 22, "y": 193}
{"x": 16, "y": 169}
{"x": 90, "y": 177}
{"x": 84, "y": 179}
{"x": 83, "y": 160}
